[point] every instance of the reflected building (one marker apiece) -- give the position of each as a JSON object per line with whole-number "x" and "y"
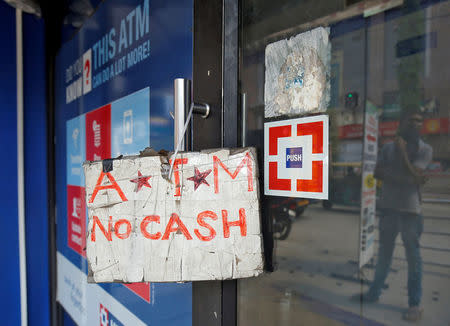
{"x": 393, "y": 57}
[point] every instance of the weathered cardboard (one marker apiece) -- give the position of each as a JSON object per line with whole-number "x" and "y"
{"x": 203, "y": 224}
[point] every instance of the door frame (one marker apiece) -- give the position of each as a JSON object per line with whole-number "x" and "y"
{"x": 215, "y": 81}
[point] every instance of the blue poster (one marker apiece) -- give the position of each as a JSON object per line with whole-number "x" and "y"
{"x": 130, "y": 124}
{"x": 114, "y": 95}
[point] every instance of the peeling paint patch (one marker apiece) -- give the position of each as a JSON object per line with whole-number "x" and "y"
{"x": 297, "y": 77}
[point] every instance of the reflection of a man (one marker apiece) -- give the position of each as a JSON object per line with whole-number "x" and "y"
{"x": 400, "y": 166}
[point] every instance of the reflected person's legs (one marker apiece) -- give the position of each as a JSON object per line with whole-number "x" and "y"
{"x": 411, "y": 228}
{"x": 388, "y": 230}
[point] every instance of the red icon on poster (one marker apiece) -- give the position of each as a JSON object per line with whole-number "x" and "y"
{"x": 98, "y": 134}
{"x": 76, "y": 222}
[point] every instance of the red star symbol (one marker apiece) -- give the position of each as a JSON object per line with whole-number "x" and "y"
{"x": 141, "y": 181}
{"x": 199, "y": 178}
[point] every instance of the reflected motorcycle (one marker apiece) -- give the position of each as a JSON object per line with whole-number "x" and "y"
{"x": 284, "y": 213}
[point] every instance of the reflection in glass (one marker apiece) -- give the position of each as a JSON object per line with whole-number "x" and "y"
{"x": 396, "y": 61}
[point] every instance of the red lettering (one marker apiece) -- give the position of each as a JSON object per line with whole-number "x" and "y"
{"x": 241, "y": 223}
{"x": 201, "y": 221}
{"x": 113, "y": 185}
{"x": 246, "y": 160}
{"x": 107, "y": 232}
{"x": 117, "y": 226}
{"x": 176, "y": 173}
{"x": 174, "y": 218}
{"x": 146, "y": 221}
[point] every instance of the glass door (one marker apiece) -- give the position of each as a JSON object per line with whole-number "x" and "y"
{"x": 373, "y": 247}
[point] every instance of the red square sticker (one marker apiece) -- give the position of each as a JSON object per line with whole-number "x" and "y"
{"x": 98, "y": 134}
{"x": 76, "y": 219}
{"x": 296, "y": 157}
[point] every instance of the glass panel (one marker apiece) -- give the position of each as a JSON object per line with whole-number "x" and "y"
{"x": 389, "y": 163}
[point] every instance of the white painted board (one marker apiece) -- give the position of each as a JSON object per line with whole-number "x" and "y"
{"x": 204, "y": 224}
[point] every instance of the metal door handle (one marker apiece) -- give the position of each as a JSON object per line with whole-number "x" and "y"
{"x": 182, "y": 105}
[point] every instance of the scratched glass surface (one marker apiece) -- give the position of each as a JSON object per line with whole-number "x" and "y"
{"x": 377, "y": 251}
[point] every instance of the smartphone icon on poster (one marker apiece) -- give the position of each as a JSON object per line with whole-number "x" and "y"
{"x": 128, "y": 127}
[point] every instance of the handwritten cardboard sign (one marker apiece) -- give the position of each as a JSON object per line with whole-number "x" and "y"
{"x": 203, "y": 224}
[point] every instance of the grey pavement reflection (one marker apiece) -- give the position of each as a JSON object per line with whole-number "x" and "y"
{"x": 316, "y": 264}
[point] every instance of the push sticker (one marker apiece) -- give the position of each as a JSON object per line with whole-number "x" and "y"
{"x": 296, "y": 157}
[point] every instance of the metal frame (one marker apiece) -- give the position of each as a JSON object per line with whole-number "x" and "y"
{"x": 21, "y": 170}
{"x": 215, "y": 81}
{"x": 53, "y": 17}
{"x": 230, "y": 124}
{"x": 207, "y": 88}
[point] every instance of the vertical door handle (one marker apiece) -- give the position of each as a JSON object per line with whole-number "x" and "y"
{"x": 182, "y": 104}
{"x": 244, "y": 119}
